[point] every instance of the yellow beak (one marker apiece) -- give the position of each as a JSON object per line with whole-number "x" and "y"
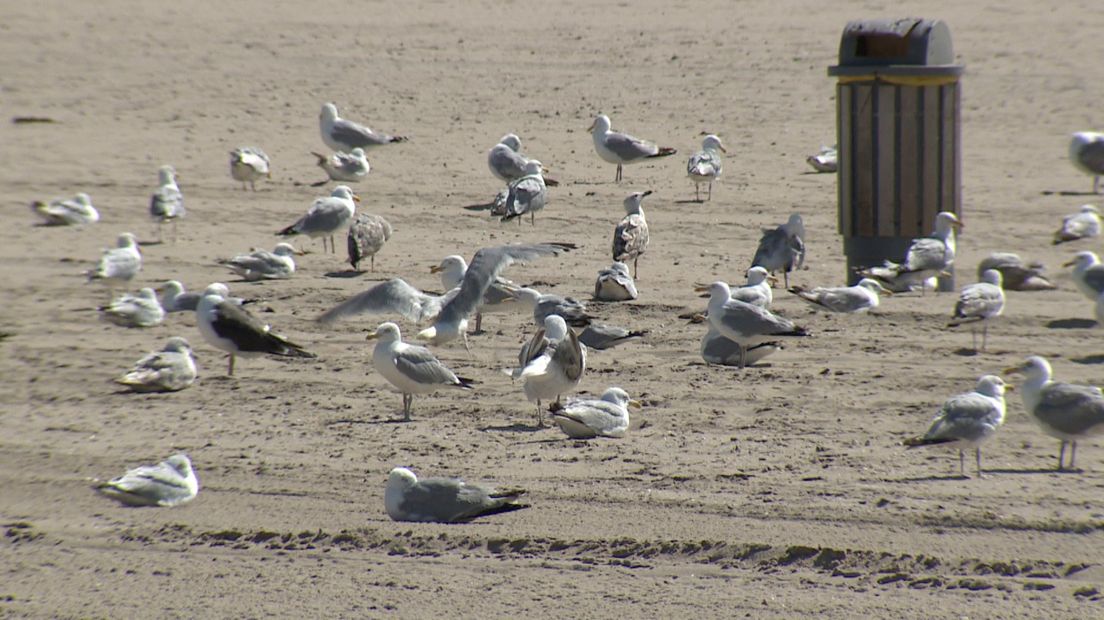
{"x": 635, "y": 404}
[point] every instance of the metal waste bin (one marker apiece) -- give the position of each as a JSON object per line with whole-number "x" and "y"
{"x": 899, "y": 137}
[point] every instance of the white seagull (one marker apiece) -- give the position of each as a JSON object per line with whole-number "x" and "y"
{"x": 590, "y": 418}
{"x": 926, "y": 258}
{"x": 1088, "y": 274}
{"x": 341, "y": 166}
{"x": 706, "y": 165}
{"x": 978, "y": 304}
{"x": 141, "y": 310}
{"x": 344, "y": 135}
{"x": 1084, "y": 224}
{"x": 248, "y": 164}
{"x": 526, "y": 194}
{"x": 615, "y": 284}
{"x": 444, "y": 500}
{"x": 168, "y": 370}
{"x": 619, "y": 148}
{"x": 967, "y": 420}
{"x": 75, "y": 211}
{"x": 264, "y": 265}
{"x": 1086, "y": 151}
{"x": 862, "y": 297}
{"x": 551, "y": 363}
{"x": 171, "y": 482}
{"x": 119, "y": 264}
{"x": 225, "y": 325}
{"x": 166, "y": 203}
{"x": 745, "y": 324}
{"x": 411, "y": 369}
{"x": 326, "y": 216}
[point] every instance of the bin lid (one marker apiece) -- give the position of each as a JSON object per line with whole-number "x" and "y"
{"x": 910, "y": 46}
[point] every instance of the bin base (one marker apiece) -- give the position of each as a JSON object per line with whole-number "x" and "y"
{"x": 863, "y": 252}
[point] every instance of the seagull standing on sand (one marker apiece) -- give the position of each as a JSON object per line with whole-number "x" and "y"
{"x": 782, "y": 248}
{"x": 264, "y": 265}
{"x": 75, "y": 211}
{"x": 367, "y": 234}
{"x": 1088, "y": 274}
{"x": 444, "y": 500}
{"x": 326, "y": 216}
{"x": 615, "y": 284}
{"x": 551, "y": 363}
{"x": 978, "y": 304}
{"x": 1086, "y": 151}
{"x": 589, "y": 418}
{"x": 141, "y": 310}
{"x": 1064, "y": 411}
{"x": 745, "y": 324}
{"x": 526, "y": 194}
{"x": 345, "y": 135}
{"x": 862, "y": 297}
{"x": 619, "y": 148}
{"x": 166, "y": 203}
{"x": 169, "y": 483}
{"x": 349, "y": 167}
{"x": 706, "y": 165}
{"x": 967, "y": 420}
{"x": 411, "y": 369}
{"x": 630, "y": 237}
{"x": 225, "y": 325}
{"x": 120, "y": 264}
{"x": 168, "y": 370}
{"x": 1084, "y": 224}
{"x": 248, "y": 164}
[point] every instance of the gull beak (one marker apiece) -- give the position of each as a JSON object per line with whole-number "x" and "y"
{"x": 436, "y": 269}
{"x": 773, "y": 279}
{"x": 372, "y": 336}
{"x": 886, "y": 292}
{"x": 1008, "y": 387}
{"x": 1013, "y": 370}
{"x": 1070, "y": 263}
{"x": 356, "y": 198}
{"x": 957, "y": 224}
{"x": 646, "y": 193}
{"x": 634, "y": 404}
{"x": 591, "y": 128}
{"x": 723, "y": 149}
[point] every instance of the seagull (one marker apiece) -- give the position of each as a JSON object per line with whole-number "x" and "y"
{"x": 526, "y": 194}
{"x": 847, "y": 299}
{"x": 1088, "y": 274}
{"x": 394, "y": 296}
{"x": 1015, "y": 274}
{"x": 572, "y": 310}
{"x": 119, "y": 264}
{"x": 141, "y": 310}
{"x": 264, "y": 265}
{"x": 927, "y": 257}
{"x": 1064, "y": 411}
{"x": 171, "y": 482}
{"x": 588, "y": 418}
{"x": 1084, "y": 224}
{"x": 619, "y": 148}
{"x": 614, "y": 283}
{"x": 745, "y": 324}
{"x": 967, "y": 420}
{"x": 247, "y": 164}
{"x": 716, "y": 349}
{"x": 551, "y": 363}
{"x": 345, "y": 135}
{"x": 75, "y": 211}
{"x": 497, "y": 206}
{"x": 827, "y": 160}
{"x": 601, "y": 337}
{"x": 979, "y": 303}
{"x": 507, "y": 163}
{"x": 367, "y": 234}
{"x": 326, "y": 216}
{"x": 499, "y": 295}
{"x": 706, "y": 165}
{"x": 782, "y": 248}
{"x": 630, "y": 237}
{"x": 1086, "y": 151}
{"x": 169, "y": 370}
{"x": 444, "y": 500}
{"x": 231, "y": 328}
{"x": 173, "y": 298}
{"x": 166, "y": 203}
{"x": 484, "y": 268}
{"x": 757, "y": 291}
{"x": 411, "y": 369}
{"x": 341, "y": 166}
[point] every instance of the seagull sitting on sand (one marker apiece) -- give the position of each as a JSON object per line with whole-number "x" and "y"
{"x": 444, "y": 500}
{"x": 141, "y": 310}
{"x": 171, "y": 482}
{"x": 847, "y": 299}
{"x": 1085, "y": 224}
{"x": 168, "y": 370}
{"x": 1016, "y": 275}
{"x": 589, "y": 418}
{"x": 926, "y": 257}
{"x": 75, "y": 211}
{"x": 615, "y": 284}
{"x": 264, "y": 265}
{"x": 349, "y": 167}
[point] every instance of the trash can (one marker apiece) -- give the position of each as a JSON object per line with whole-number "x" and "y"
{"x": 899, "y": 137}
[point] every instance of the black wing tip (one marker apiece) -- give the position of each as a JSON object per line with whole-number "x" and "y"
{"x": 287, "y": 232}
{"x": 664, "y": 151}
{"x": 917, "y": 442}
{"x": 395, "y": 139}
{"x": 466, "y": 383}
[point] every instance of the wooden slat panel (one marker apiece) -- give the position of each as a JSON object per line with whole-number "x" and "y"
{"x": 930, "y": 172}
{"x": 909, "y": 164}
{"x": 951, "y": 151}
{"x": 844, "y": 178}
{"x": 885, "y": 161}
{"x": 863, "y": 131}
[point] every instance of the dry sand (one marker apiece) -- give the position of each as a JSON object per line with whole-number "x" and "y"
{"x": 778, "y": 491}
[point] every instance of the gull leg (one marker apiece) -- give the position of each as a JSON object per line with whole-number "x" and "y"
{"x": 467, "y": 347}
{"x": 743, "y": 355}
{"x": 617, "y": 177}
{"x": 634, "y": 266}
{"x": 373, "y": 262}
{"x": 1096, "y": 184}
{"x": 230, "y": 368}
{"x": 697, "y": 192}
{"x": 961, "y": 465}
{"x": 532, "y": 218}
{"x": 973, "y": 338}
{"x": 785, "y": 278}
{"x": 1073, "y": 453}
{"x": 540, "y": 414}
{"x": 478, "y": 323}
{"x": 978, "y": 455}
{"x": 1062, "y": 455}
{"x": 984, "y": 335}
{"x": 710, "y": 197}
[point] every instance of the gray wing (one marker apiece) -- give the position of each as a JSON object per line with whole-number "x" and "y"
{"x": 749, "y": 320}
{"x": 601, "y": 417}
{"x": 843, "y": 299}
{"x": 507, "y": 163}
{"x": 965, "y": 417}
{"x": 149, "y": 484}
{"x": 526, "y": 195}
{"x": 394, "y": 296}
{"x": 447, "y": 500}
{"x": 262, "y": 261}
{"x": 167, "y": 203}
{"x": 354, "y": 135}
{"x": 368, "y": 232}
{"x": 485, "y": 267}
{"x": 704, "y": 163}
{"x": 1091, "y": 156}
{"x": 775, "y": 251}
{"x": 420, "y": 365}
{"x": 570, "y": 356}
{"x": 981, "y": 300}
{"x": 532, "y": 349}
{"x": 325, "y": 215}
{"x": 601, "y": 337}
{"x": 630, "y": 238}
{"x": 1094, "y": 277}
{"x": 629, "y": 148}
{"x": 1071, "y": 409}
{"x": 926, "y": 254}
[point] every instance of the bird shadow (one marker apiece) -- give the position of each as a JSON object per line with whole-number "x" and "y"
{"x": 690, "y": 202}
{"x": 513, "y": 428}
{"x": 1052, "y": 192}
{"x": 1071, "y": 324}
{"x": 966, "y": 352}
{"x": 1032, "y": 470}
{"x": 347, "y": 273}
{"x": 1088, "y": 359}
{"x": 373, "y": 422}
{"x": 943, "y": 478}
{"x": 144, "y": 244}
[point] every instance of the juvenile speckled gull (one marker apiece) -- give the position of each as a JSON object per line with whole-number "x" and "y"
{"x": 743, "y": 323}
{"x": 75, "y": 211}
{"x": 601, "y": 337}
{"x": 589, "y": 418}
{"x": 264, "y": 265}
{"x": 1084, "y": 224}
{"x": 326, "y": 216}
{"x": 248, "y": 164}
{"x": 1088, "y": 274}
{"x": 411, "y": 369}
{"x": 614, "y": 283}
{"x": 1086, "y": 151}
{"x": 619, "y": 148}
{"x": 1016, "y": 275}
{"x": 341, "y": 166}
{"x": 484, "y": 268}
{"x": 978, "y": 304}
{"x": 166, "y": 203}
{"x": 444, "y": 500}
{"x": 344, "y": 135}
{"x": 862, "y": 297}
{"x": 551, "y": 363}
{"x": 1064, "y": 411}
{"x": 367, "y": 235}
{"x": 706, "y": 165}
{"x": 225, "y": 325}
{"x": 967, "y": 420}
{"x": 782, "y": 248}
{"x": 169, "y": 483}
{"x": 526, "y": 194}
{"x": 119, "y": 264}
{"x": 631, "y": 236}
{"x": 926, "y": 257}
{"x": 544, "y": 305}
{"x": 168, "y": 370}
{"x": 141, "y": 310}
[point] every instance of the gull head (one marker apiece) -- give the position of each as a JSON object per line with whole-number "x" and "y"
{"x": 401, "y": 478}
{"x": 633, "y": 200}
{"x": 329, "y": 113}
{"x": 386, "y": 332}
{"x": 718, "y": 292}
{"x": 171, "y": 288}
{"x": 1033, "y": 368}
{"x": 181, "y": 463}
{"x": 1082, "y": 260}
{"x": 527, "y": 296}
{"x": 945, "y": 220}
{"x": 147, "y": 294}
{"x": 555, "y": 328}
{"x": 176, "y": 344}
{"x": 452, "y": 269}
{"x": 601, "y": 125}
{"x": 511, "y": 141}
{"x": 1090, "y": 209}
{"x": 875, "y": 287}
{"x": 756, "y": 275}
{"x": 533, "y": 167}
{"x": 992, "y": 386}
{"x": 216, "y": 288}
{"x": 343, "y": 191}
{"x": 126, "y": 240}
{"x": 620, "y": 268}
{"x": 992, "y": 276}
{"x": 357, "y": 152}
{"x": 619, "y": 397}
{"x": 166, "y": 175}
{"x": 713, "y": 143}
{"x": 286, "y": 249}
{"x": 83, "y": 199}
{"x": 795, "y": 225}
